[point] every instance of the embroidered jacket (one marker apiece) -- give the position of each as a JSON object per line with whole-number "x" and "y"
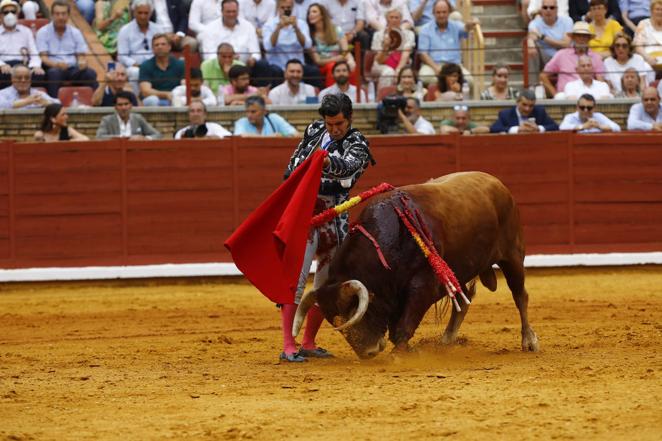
{"x": 349, "y": 157}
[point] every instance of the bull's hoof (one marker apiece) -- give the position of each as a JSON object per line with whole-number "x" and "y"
{"x": 448, "y": 339}
{"x": 530, "y": 341}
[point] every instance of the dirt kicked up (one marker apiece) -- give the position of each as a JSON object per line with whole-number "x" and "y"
{"x": 198, "y": 359}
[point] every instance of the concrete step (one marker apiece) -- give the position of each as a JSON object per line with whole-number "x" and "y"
{"x": 505, "y": 7}
{"x": 503, "y": 45}
{"x": 501, "y": 21}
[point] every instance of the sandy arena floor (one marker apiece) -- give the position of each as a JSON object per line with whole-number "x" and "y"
{"x": 197, "y": 359}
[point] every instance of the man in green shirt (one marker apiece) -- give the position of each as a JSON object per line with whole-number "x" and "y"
{"x": 160, "y": 74}
{"x": 460, "y": 122}
{"x": 215, "y": 70}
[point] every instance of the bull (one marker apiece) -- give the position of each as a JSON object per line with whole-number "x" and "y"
{"x": 473, "y": 222}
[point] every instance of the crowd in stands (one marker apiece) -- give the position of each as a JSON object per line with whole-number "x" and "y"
{"x": 286, "y": 52}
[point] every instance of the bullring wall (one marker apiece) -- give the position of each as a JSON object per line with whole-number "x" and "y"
{"x": 125, "y": 203}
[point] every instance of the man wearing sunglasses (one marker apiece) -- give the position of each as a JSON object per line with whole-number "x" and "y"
{"x": 586, "y": 120}
{"x": 548, "y": 33}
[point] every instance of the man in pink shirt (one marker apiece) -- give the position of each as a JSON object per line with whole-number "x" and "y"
{"x": 564, "y": 62}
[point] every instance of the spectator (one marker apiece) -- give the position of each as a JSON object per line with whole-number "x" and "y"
{"x": 259, "y": 122}
{"x": 439, "y": 42}
{"x": 579, "y": 10}
{"x": 29, "y": 9}
{"x": 240, "y": 34}
{"x": 535, "y": 8}
{"x": 604, "y": 29}
{"x": 633, "y": 12}
{"x": 110, "y": 17}
{"x": 240, "y": 88}
{"x": 648, "y": 36}
{"x": 171, "y": 16}
{"x": 565, "y": 60}
{"x": 18, "y": 45}
{"x": 547, "y": 34}
{"x": 124, "y": 123}
{"x": 460, "y": 122}
{"x": 329, "y": 43}
{"x": 292, "y": 91}
{"x": 421, "y": 11}
{"x": 300, "y": 9}
{"x": 524, "y": 117}
{"x": 198, "y": 126}
{"x": 623, "y": 58}
{"x": 499, "y": 89}
{"x": 646, "y": 115}
{"x": 412, "y": 120}
{"x": 285, "y": 37}
{"x": 54, "y": 126}
{"x": 202, "y": 13}
{"x": 199, "y": 91}
{"x": 63, "y": 51}
{"x": 160, "y": 74}
{"x": 350, "y": 16}
{"x": 134, "y": 41}
{"x": 585, "y": 84}
{"x": 86, "y": 8}
{"x": 630, "y": 84}
{"x": 586, "y": 120}
{"x": 115, "y": 81}
{"x": 20, "y": 95}
{"x": 375, "y": 13}
{"x": 341, "y": 77}
{"x": 393, "y": 46}
{"x": 408, "y": 85}
{"x": 215, "y": 70}
{"x": 257, "y": 13}
{"x": 449, "y": 84}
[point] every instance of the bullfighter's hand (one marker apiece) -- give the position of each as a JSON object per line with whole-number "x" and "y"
{"x": 327, "y": 162}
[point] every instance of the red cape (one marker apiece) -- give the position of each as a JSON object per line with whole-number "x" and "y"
{"x": 268, "y": 247}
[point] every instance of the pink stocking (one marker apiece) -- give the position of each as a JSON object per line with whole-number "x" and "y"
{"x": 287, "y": 312}
{"x": 313, "y": 322}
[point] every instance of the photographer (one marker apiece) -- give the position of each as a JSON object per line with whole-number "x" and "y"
{"x": 397, "y": 110}
{"x": 199, "y": 127}
{"x": 411, "y": 118}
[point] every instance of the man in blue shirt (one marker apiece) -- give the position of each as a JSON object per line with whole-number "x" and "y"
{"x": 258, "y": 122}
{"x": 548, "y": 33}
{"x": 285, "y": 37}
{"x": 439, "y": 42}
{"x": 63, "y": 51}
{"x": 632, "y": 12}
{"x": 586, "y": 120}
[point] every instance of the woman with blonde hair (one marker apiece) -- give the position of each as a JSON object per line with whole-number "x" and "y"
{"x": 329, "y": 43}
{"x": 392, "y": 46}
{"x": 648, "y": 36}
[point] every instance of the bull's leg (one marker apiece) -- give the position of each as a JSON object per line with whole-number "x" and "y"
{"x": 418, "y": 300}
{"x": 453, "y": 327}
{"x": 513, "y": 271}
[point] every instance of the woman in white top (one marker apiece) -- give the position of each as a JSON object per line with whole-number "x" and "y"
{"x": 648, "y": 37}
{"x": 623, "y": 58}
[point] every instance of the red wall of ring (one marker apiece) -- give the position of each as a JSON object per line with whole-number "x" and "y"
{"x": 125, "y": 203}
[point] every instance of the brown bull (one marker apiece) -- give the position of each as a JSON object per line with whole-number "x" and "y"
{"x": 474, "y": 223}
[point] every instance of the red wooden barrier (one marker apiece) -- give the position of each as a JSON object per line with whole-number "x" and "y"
{"x": 120, "y": 203}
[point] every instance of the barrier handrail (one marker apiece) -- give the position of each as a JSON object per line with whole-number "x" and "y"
{"x": 473, "y": 50}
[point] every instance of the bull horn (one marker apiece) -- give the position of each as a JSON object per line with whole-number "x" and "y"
{"x": 358, "y": 288}
{"x": 307, "y": 300}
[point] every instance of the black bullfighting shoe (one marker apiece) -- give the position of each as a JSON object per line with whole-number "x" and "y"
{"x": 315, "y": 353}
{"x": 292, "y": 358}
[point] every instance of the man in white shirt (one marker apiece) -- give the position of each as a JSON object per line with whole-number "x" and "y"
{"x": 172, "y": 17}
{"x": 202, "y": 13}
{"x": 257, "y": 13}
{"x": 341, "y": 85}
{"x": 412, "y": 121}
{"x": 125, "y": 124}
{"x": 293, "y": 90}
{"x": 586, "y": 84}
{"x": 350, "y": 16}
{"x": 646, "y": 115}
{"x": 586, "y": 120}
{"x": 199, "y": 91}
{"x": 17, "y": 46}
{"x": 199, "y": 127}
{"x": 375, "y": 13}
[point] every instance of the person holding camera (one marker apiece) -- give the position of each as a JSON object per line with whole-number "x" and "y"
{"x": 199, "y": 127}
{"x": 411, "y": 119}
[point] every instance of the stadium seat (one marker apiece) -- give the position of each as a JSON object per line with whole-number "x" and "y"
{"x": 34, "y": 24}
{"x": 385, "y": 91}
{"x": 368, "y": 61}
{"x": 432, "y": 88}
{"x": 66, "y": 93}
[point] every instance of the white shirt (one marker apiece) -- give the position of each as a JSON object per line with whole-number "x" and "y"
{"x": 162, "y": 16}
{"x": 301, "y": 9}
{"x": 13, "y": 41}
{"x": 257, "y": 14}
{"x": 213, "y": 129}
{"x": 577, "y": 88}
{"x": 614, "y": 70}
{"x": 242, "y": 38}
{"x": 351, "y": 93}
{"x": 375, "y": 11}
{"x": 423, "y": 126}
{"x": 345, "y": 15}
{"x": 572, "y": 121}
{"x": 202, "y": 13}
{"x": 535, "y": 5}
{"x": 282, "y": 95}
{"x": 125, "y": 128}
{"x": 179, "y": 95}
